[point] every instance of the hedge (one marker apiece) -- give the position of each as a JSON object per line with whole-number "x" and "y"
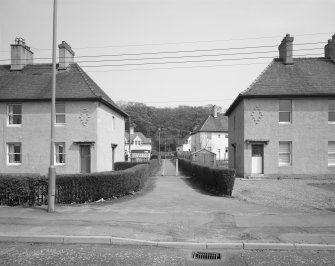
{"x": 125, "y": 165}
{"x": 219, "y": 181}
{"x": 30, "y": 190}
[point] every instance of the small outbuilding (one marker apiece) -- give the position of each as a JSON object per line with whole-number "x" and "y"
{"x": 204, "y": 157}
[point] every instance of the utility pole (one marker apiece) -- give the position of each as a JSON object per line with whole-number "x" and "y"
{"x": 52, "y": 169}
{"x": 129, "y": 141}
{"x": 165, "y": 151}
{"x": 159, "y": 144}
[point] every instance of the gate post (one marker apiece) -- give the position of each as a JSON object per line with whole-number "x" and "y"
{"x": 176, "y": 167}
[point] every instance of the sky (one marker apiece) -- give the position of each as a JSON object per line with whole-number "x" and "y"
{"x": 166, "y": 53}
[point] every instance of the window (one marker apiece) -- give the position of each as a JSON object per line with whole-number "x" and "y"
{"x": 331, "y": 153}
{"x": 14, "y": 153}
{"x": 60, "y": 152}
{"x": 137, "y": 142}
{"x": 331, "y": 111}
{"x": 285, "y": 110}
{"x": 60, "y": 113}
{"x": 14, "y": 114}
{"x": 219, "y": 136}
{"x": 285, "y": 153}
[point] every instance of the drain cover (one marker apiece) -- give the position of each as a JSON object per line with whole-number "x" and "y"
{"x": 199, "y": 255}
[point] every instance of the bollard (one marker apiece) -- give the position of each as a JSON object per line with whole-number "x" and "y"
{"x": 163, "y": 172}
{"x": 176, "y": 167}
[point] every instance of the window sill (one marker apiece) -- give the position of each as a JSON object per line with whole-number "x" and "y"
{"x": 14, "y": 164}
{"x": 284, "y": 123}
{"x": 60, "y": 164}
{"x": 331, "y": 165}
{"x": 14, "y": 125}
{"x": 331, "y": 123}
{"x": 59, "y": 124}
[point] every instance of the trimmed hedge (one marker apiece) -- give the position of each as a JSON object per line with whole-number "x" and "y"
{"x": 30, "y": 190}
{"x": 125, "y": 165}
{"x": 219, "y": 181}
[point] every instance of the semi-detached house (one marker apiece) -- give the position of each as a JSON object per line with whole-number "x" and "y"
{"x": 90, "y": 127}
{"x": 284, "y": 123}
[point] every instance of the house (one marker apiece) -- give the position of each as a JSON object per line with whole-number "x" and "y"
{"x": 284, "y": 123}
{"x": 184, "y": 144}
{"x": 212, "y": 135}
{"x": 89, "y": 126}
{"x": 140, "y": 146}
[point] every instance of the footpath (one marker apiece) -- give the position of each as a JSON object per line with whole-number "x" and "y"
{"x": 172, "y": 214}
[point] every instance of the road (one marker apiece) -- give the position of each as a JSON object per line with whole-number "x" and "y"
{"x": 48, "y": 254}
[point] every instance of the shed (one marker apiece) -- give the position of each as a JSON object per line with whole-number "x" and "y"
{"x": 204, "y": 157}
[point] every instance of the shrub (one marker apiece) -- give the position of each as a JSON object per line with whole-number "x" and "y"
{"x": 219, "y": 181}
{"x": 125, "y": 165}
{"x": 32, "y": 189}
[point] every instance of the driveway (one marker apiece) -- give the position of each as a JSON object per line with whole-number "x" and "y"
{"x": 173, "y": 210}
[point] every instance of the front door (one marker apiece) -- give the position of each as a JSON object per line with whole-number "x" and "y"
{"x": 257, "y": 158}
{"x": 85, "y": 159}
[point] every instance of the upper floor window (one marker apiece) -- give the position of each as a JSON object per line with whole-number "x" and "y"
{"x": 14, "y": 114}
{"x": 60, "y": 113}
{"x": 137, "y": 142}
{"x": 14, "y": 153}
{"x": 60, "y": 152}
{"x": 331, "y": 111}
{"x": 285, "y": 111}
{"x": 285, "y": 153}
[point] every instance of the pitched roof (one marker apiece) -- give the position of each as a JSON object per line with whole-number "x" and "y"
{"x": 34, "y": 82}
{"x": 213, "y": 124}
{"x": 306, "y": 77}
{"x": 144, "y": 139}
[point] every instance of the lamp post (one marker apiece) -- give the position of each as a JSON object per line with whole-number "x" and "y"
{"x": 159, "y": 144}
{"x": 52, "y": 170}
{"x": 219, "y": 153}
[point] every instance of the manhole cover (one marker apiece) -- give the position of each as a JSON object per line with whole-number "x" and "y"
{"x": 206, "y": 255}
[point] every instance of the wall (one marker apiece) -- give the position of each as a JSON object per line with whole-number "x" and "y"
{"x": 107, "y": 135}
{"x": 309, "y": 133}
{"x": 34, "y": 134}
{"x": 236, "y": 137}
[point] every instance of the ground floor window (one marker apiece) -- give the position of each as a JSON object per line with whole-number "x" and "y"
{"x": 60, "y": 152}
{"x": 14, "y": 153}
{"x": 331, "y": 153}
{"x": 285, "y": 153}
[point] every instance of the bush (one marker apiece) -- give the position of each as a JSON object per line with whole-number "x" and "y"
{"x": 30, "y": 190}
{"x": 219, "y": 181}
{"x": 125, "y": 165}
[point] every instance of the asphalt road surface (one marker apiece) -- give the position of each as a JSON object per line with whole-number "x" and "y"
{"x": 51, "y": 254}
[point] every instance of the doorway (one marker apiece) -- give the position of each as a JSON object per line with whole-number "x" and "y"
{"x": 257, "y": 154}
{"x": 85, "y": 159}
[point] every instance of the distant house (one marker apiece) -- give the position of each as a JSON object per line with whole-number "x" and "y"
{"x": 284, "y": 123}
{"x": 89, "y": 133}
{"x": 212, "y": 135}
{"x": 184, "y": 144}
{"x": 140, "y": 146}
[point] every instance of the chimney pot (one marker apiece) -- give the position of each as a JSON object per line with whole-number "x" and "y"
{"x": 21, "y": 55}
{"x": 66, "y": 55}
{"x": 215, "y": 111}
{"x": 131, "y": 131}
{"x": 286, "y": 50}
{"x": 330, "y": 49}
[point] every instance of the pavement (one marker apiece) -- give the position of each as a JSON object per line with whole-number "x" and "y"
{"x": 171, "y": 212}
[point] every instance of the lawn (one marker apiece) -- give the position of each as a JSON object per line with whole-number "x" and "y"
{"x": 303, "y": 195}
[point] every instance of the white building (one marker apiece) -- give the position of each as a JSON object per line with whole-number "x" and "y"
{"x": 140, "y": 146}
{"x": 212, "y": 135}
{"x": 185, "y": 144}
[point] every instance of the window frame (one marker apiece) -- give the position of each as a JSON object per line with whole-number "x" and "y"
{"x": 60, "y": 114}
{"x": 285, "y": 153}
{"x": 281, "y": 111}
{"x": 14, "y": 153}
{"x": 331, "y": 110}
{"x": 8, "y": 115}
{"x": 58, "y": 153}
{"x": 332, "y": 152}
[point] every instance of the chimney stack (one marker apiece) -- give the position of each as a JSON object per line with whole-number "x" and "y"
{"x": 131, "y": 131}
{"x": 66, "y": 55}
{"x": 215, "y": 111}
{"x": 330, "y": 49}
{"x": 286, "y": 50}
{"x": 21, "y": 55}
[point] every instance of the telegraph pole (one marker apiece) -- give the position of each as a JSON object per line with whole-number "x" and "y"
{"x": 129, "y": 142}
{"x": 52, "y": 169}
{"x": 159, "y": 144}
